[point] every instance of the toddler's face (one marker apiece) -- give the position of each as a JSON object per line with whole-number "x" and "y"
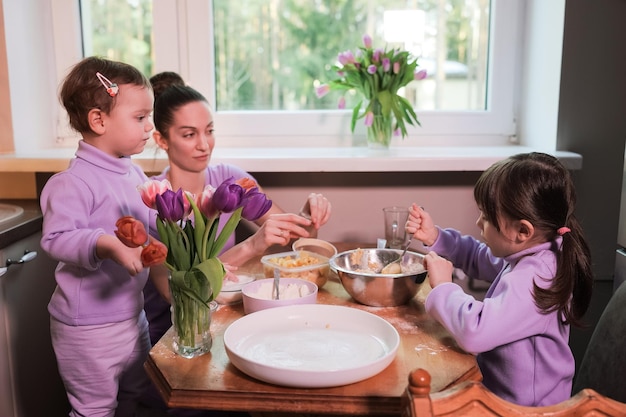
{"x": 499, "y": 241}
{"x": 129, "y": 124}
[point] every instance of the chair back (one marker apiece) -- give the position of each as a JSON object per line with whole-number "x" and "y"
{"x": 473, "y": 399}
{"x": 603, "y": 367}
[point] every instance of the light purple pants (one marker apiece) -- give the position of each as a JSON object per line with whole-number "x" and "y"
{"x": 102, "y": 365}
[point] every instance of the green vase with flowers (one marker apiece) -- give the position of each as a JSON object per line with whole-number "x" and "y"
{"x": 378, "y": 75}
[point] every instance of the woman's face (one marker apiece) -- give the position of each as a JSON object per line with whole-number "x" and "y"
{"x": 190, "y": 138}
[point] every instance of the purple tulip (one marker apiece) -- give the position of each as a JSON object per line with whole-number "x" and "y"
{"x": 171, "y": 205}
{"x": 227, "y": 197}
{"x": 345, "y": 58}
{"x": 369, "y": 118}
{"x": 376, "y": 55}
{"x": 255, "y": 204}
{"x": 371, "y": 69}
{"x": 367, "y": 41}
{"x": 342, "y": 103}
{"x": 386, "y": 64}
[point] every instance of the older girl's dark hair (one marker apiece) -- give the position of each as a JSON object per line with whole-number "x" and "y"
{"x": 538, "y": 188}
{"x": 170, "y": 94}
{"x": 82, "y": 91}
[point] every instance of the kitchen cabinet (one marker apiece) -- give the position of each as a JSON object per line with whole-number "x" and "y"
{"x": 30, "y": 385}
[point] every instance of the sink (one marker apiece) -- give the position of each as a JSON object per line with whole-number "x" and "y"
{"x": 9, "y": 212}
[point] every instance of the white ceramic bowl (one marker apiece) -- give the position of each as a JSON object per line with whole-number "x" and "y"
{"x": 257, "y": 295}
{"x": 231, "y": 290}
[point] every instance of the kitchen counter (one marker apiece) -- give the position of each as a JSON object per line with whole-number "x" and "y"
{"x": 27, "y": 223}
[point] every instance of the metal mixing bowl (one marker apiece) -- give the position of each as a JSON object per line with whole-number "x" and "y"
{"x": 359, "y": 273}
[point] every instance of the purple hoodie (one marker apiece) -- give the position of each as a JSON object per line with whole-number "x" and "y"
{"x": 79, "y": 205}
{"x": 523, "y": 354}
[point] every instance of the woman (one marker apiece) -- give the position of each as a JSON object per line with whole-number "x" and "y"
{"x": 184, "y": 129}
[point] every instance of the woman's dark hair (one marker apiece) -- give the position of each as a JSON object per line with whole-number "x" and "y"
{"x": 536, "y": 187}
{"x": 82, "y": 91}
{"x": 163, "y": 80}
{"x": 170, "y": 94}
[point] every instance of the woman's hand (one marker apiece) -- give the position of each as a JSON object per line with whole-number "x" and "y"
{"x": 439, "y": 269}
{"x": 421, "y": 225}
{"x": 279, "y": 229}
{"x": 317, "y": 209}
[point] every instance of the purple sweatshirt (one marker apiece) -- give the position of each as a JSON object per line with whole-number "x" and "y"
{"x": 523, "y": 354}
{"x": 79, "y": 205}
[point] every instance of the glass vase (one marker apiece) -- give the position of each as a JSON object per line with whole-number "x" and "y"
{"x": 380, "y": 132}
{"x": 191, "y": 319}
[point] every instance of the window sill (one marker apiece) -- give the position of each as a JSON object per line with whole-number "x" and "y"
{"x": 347, "y": 159}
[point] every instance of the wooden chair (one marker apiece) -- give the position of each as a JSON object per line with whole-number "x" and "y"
{"x": 473, "y": 399}
{"x": 603, "y": 366}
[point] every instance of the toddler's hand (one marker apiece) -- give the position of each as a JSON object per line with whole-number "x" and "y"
{"x": 421, "y": 225}
{"x": 110, "y": 247}
{"x": 439, "y": 269}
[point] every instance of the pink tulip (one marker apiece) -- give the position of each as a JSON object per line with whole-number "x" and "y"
{"x": 396, "y": 67}
{"x": 150, "y": 189}
{"x": 322, "y": 90}
{"x": 420, "y": 75}
{"x": 205, "y": 203}
{"x": 367, "y": 41}
{"x": 369, "y": 118}
{"x": 371, "y": 69}
{"x": 342, "y": 103}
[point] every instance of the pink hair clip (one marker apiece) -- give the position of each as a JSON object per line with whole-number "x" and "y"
{"x": 112, "y": 88}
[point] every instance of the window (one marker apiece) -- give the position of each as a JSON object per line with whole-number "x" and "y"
{"x": 258, "y": 61}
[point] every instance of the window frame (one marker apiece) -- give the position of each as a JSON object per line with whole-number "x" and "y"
{"x": 184, "y": 43}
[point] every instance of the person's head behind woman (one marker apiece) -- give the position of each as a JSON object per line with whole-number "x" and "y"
{"x": 183, "y": 125}
{"x": 537, "y": 188}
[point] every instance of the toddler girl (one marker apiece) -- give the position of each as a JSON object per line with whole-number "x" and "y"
{"x": 536, "y": 258}
{"x": 98, "y": 327}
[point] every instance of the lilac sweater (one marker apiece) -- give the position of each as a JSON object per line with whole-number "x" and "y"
{"x": 79, "y": 205}
{"x": 523, "y": 354}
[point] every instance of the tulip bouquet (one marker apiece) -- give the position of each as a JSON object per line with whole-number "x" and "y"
{"x": 378, "y": 75}
{"x": 188, "y": 226}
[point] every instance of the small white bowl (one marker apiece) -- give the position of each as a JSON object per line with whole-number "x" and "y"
{"x": 319, "y": 246}
{"x": 231, "y": 290}
{"x": 257, "y": 295}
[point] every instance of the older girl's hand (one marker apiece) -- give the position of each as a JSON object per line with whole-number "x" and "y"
{"x": 421, "y": 225}
{"x": 439, "y": 269}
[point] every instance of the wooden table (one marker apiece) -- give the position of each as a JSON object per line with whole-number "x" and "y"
{"x": 212, "y": 382}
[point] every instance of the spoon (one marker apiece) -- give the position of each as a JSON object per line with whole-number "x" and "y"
{"x": 394, "y": 267}
{"x": 275, "y": 288}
